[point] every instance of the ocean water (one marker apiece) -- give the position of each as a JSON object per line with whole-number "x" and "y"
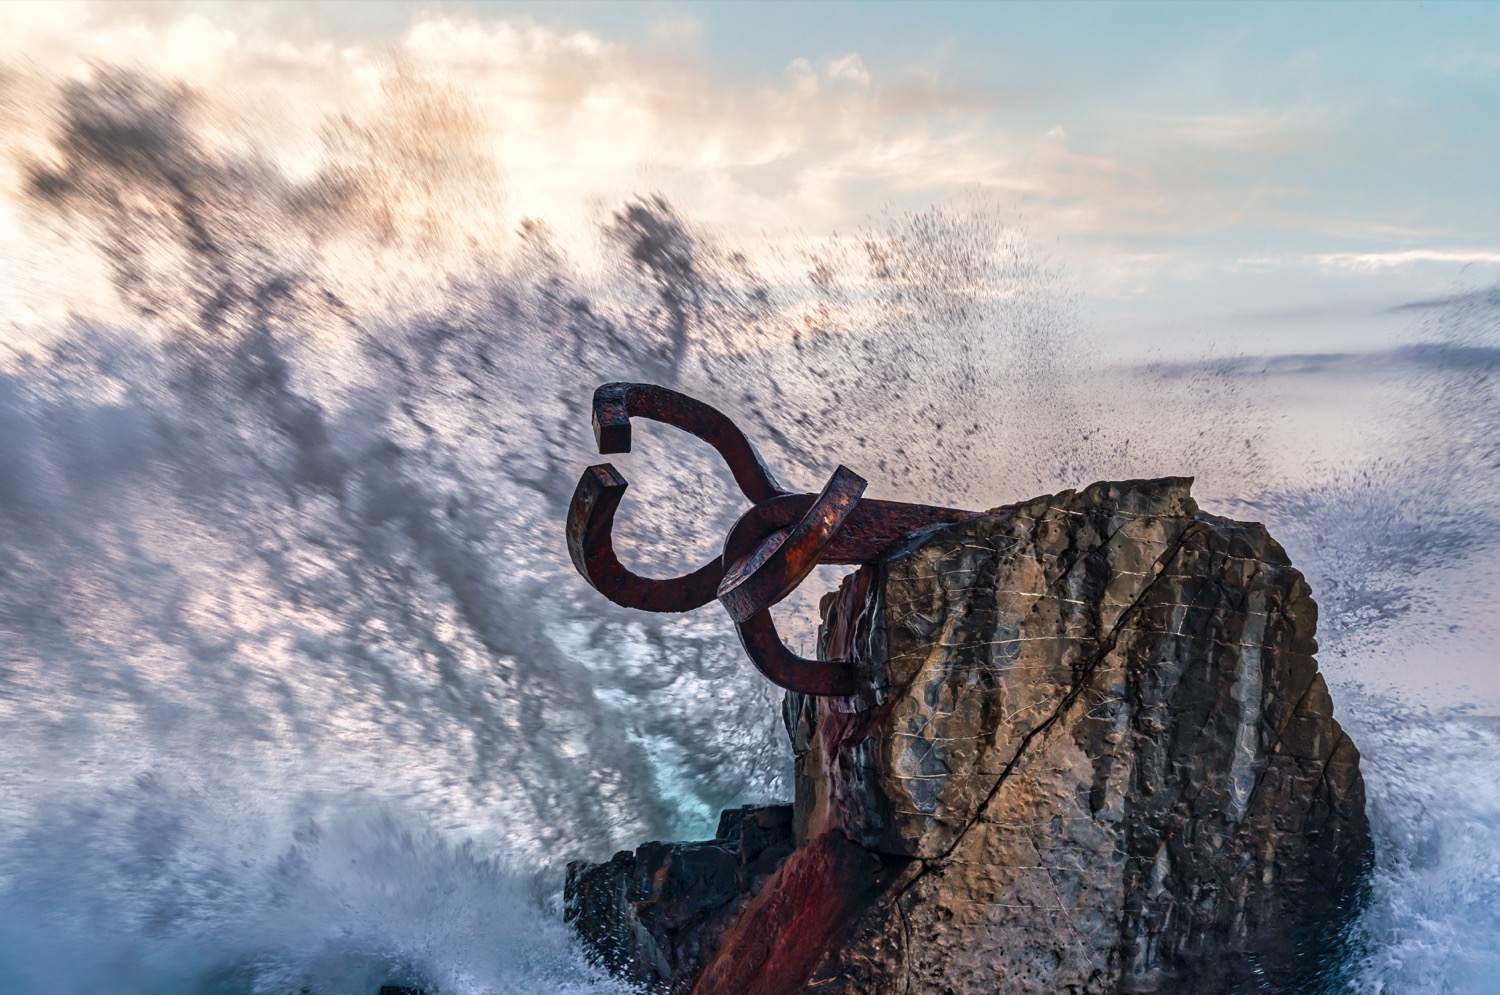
{"x": 298, "y": 688}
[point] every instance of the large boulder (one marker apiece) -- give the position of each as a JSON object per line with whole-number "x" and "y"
{"x": 1091, "y": 752}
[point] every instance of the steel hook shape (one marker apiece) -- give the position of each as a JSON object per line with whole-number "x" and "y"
{"x": 770, "y": 550}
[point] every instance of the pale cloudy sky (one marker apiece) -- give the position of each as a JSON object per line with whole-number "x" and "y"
{"x": 1257, "y": 178}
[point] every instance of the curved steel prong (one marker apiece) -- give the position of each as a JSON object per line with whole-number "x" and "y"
{"x": 786, "y": 669}
{"x": 591, "y": 517}
{"x": 774, "y": 568}
{"x": 770, "y": 550}
{"x": 616, "y": 403}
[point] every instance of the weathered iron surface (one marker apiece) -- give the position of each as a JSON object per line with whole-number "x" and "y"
{"x": 768, "y": 552}
{"x": 776, "y": 565}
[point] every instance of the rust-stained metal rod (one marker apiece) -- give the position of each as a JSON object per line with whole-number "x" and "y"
{"x": 591, "y": 519}
{"x": 616, "y": 403}
{"x": 770, "y": 550}
{"x": 774, "y": 567}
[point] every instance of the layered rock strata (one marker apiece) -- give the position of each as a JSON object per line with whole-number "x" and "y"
{"x": 1091, "y": 752}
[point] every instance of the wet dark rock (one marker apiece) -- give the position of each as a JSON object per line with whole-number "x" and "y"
{"x": 652, "y": 916}
{"x": 1091, "y": 752}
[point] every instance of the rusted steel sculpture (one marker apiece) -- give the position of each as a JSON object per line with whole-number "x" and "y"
{"x": 767, "y": 553}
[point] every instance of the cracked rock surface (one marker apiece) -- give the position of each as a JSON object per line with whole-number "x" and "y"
{"x": 1091, "y": 753}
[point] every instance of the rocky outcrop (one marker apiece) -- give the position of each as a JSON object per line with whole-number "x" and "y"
{"x": 1091, "y": 752}
{"x": 652, "y": 916}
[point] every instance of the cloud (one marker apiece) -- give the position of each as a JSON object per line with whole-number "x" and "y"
{"x": 539, "y": 121}
{"x": 850, "y": 67}
{"x": 569, "y": 117}
{"x": 1247, "y": 128}
{"x": 573, "y": 119}
{"x": 1364, "y": 262}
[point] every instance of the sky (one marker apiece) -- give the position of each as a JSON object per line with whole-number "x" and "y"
{"x": 1243, "y": 178}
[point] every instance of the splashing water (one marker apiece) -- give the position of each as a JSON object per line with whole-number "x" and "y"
{"x": 301, "y": 693}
